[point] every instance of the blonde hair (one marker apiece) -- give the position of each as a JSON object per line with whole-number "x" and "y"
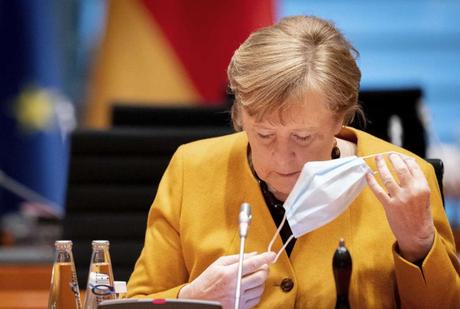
{"x": 285, "y": 60}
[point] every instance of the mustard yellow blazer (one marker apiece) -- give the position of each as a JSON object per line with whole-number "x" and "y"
{"x": 193, "y": 221}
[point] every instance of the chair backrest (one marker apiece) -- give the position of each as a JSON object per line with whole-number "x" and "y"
{"x": 438, "y": 166}
{"x": 380, "y": 106}
{"x": 177, "y": 116}
{"x": 112, "y": 181}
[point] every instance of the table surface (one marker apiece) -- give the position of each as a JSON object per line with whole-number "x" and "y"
{"x": 24, "y": 285}
{"x": 26, "y": 299}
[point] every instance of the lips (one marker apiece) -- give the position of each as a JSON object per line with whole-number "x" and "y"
{"x": 288, "y": 174}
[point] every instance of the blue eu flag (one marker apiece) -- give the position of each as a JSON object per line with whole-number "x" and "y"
{"x": 33, "y": 147}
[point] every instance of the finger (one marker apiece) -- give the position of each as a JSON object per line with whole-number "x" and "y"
{"x": 401, "y": 168}
{"x": 381, "y": 194}
{"x": 233, "y": 259}
{"x": 253, "y": 263}
{"x": 387, "y": 179}
{"x": 254, "y": 293}
{"x": 255, "y": 279}
{"x": 251, "y": 303}
{"x": 414, "y": 168}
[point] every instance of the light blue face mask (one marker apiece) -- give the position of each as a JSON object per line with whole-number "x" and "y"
{"x": 323, "y": 191}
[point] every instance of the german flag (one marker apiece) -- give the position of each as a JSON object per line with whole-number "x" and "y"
{"x": 169, "y": 51}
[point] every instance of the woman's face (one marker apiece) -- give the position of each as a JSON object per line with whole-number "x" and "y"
{"x": 279, "y": 149}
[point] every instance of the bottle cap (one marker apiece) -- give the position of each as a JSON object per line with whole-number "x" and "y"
{"x": 100, "y": 243}
{"x": 63, "y": 243}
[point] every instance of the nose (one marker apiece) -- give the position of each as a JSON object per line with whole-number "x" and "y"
{"x": 284, "y": 157}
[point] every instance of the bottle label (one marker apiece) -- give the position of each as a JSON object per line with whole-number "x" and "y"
{"x": 99, "y": 278}
{"x": 99, "y": 284}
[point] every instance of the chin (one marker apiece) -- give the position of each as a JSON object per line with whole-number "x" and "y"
{"x": 282, "y": 189}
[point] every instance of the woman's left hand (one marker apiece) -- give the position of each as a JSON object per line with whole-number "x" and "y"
{"x": 406, "y": 204}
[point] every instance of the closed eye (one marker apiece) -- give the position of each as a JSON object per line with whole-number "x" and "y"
{"x": 264, "y": 136}
{"x": 303, "y": 139}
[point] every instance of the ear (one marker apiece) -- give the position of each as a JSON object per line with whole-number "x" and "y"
{"x": 242, "y": 119}
{"x": 338, "y": 125}
{"x": 236, "y": 114}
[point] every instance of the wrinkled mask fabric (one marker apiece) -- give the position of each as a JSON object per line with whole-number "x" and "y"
{"x": 323, "y": 191}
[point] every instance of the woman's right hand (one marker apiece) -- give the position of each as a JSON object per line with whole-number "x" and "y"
{"x": 218, "y": 281}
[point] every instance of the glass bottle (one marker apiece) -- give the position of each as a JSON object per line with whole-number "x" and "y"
{"x": 64, "y": 292}
{"x": 342, "y": 266}
{"x": 100, "y": 276}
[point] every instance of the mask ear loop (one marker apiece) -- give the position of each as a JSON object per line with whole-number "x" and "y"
{"x": 375, "y": 154}
{"x": 270, "y": 245}
{"x": 282, "y": 248}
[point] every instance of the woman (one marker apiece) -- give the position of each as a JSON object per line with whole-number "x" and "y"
{"x": 296, "y": 85}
